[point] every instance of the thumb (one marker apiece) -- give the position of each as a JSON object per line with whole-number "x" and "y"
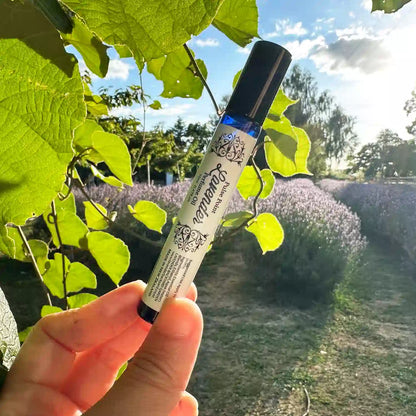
{"x": 158, "y": 375}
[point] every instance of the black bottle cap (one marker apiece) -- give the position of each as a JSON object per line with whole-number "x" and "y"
{"x": 147, "y": 313}
{"x": 259, "y": 81}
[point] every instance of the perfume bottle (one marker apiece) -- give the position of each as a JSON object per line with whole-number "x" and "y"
{"x": 217, "y": 176}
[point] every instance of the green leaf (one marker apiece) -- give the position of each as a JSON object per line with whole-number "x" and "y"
{"x": 123, "y": 51}
{"x": 53, "y": 277}
{"x": 80, "y": 277}
{"x": 236, "y": 219}
{"x": 111, "y": 254}
{"x": 111, "y": 180}
{"x": 114, "y": 153}
{"x": 6, "y": 243}
{"x": 249, "y": 183}
{"x": 89, "y": 46}
{"x": 71, "y": 228}
{"x": 268, "y": 231}
{"x": 236, "y": 77}
{"x": 83, "y": 139}
{"x": 281, "y": 104}
{"x": 150, "y": 29}
{"x": 41, "y": 102}
{"x": 150, "y": 214}
{"x": 94, "y": 219}
{"x": 122, "y": 370}
{"x": 156, "y": 105}
{"x": 95, "y": 104}
{"x": 178, "y": 76}
{"x": 81, "y": 299}
{"x": 279, "y": 162}
{"x": 388, "y": 6}
{"x": 9, "y": 339}
{"x": 238, "y": 19}
{"x": 54, "y": 12}
{"x": 48, "y": 310}
{"x": 24, "y": 334}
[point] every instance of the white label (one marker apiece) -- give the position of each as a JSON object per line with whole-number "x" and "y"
{"x": 200, "y": 215}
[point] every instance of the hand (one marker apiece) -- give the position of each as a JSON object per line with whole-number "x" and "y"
{"x": 71, "y": 359}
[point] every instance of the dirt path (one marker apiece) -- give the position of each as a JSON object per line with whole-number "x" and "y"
{"x": 356, "y": 358}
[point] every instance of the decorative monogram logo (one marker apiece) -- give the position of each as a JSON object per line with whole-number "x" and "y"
{"x": 188, "y": 239}
{"x": 229, "y": 146}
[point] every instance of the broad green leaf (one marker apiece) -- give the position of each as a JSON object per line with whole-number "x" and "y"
{"x": 123, "y": 51}
{"x": 150, "y": 214}
{"x": 156, "y": 105}
{"x": 280, "y": 163}
{"x": 150, "y": 29}
{"x": 80, "y": 277}
{"x": 111, "y": 180}
{"x": 89, "y": 46}
{"x": 238, "y": 19}
{"x": 388, "y": 6}
{"x": 281, "y": 104}
{"x": 236, "y": 77}
{"x": 71, "y": 228}
{"x": 81, "y": 299}
{"x": 6, "y": 243}
{"x": 114, "y": 153}
{"x": 178, "y": 75}
{"x": 268, "y": 231}
{"x": 83, "y": 140}
{"x": 249, "y": 183}
{"x": 41, "y": 102}
{"x": 54, "y": 12}
{"x": 48, "y": 310}
{"x": 54, "y": 276}
{"x": 24, "y": 334}
{"x": 38, "y": 247}
{"x": 111, "y": 254}
{"x": 95, "y": 104}
{"x": 236, "y": 219}
{"x": 9, "y": 339}
{"x": 94, "y": 219}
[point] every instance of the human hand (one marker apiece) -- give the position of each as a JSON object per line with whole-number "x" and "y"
{"x": 71, "y": 359}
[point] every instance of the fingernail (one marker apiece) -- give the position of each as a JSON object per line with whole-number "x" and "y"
{"x": 177, "y": 318}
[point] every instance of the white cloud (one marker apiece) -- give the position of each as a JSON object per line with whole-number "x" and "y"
{"x": 244, "y": 51}
{"x": 351, "y": 14}
{"x": 210, "y": 42}
{"x": 355, "y": 32}
{"x": 285, "y": 27}
{"x": 167, "y": 110}
{"x": 367, "y": 4}
{"x": 303, "y": 49}
{"x": 118, "y": 69}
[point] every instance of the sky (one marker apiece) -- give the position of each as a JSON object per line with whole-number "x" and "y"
{"x": 366, "y": 60}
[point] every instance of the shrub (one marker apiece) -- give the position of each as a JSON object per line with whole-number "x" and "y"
{"x": 322, "y": 237}
{"x": 386, "y": 211}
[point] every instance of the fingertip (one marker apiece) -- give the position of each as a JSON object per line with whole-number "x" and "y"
{"x": 192, "y": 293}
{"x": 188, "y": 405}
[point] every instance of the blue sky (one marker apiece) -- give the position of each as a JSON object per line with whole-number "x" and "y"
{"x": 367, "y": 61}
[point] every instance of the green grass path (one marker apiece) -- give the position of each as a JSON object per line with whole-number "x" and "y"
{"x": 357, "y": 357}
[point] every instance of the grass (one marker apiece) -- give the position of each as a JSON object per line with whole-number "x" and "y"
{"x": 355, "y": 357}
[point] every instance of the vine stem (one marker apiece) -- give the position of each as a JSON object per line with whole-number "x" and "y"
{"x": 308, "y": 402}
{"x": 199, "y": 74}
{"x": 61, "y": 246}
{"x": 113, "y": 224}
{"x": 33, "y": 260}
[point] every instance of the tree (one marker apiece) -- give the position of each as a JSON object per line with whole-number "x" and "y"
{"x": 410, "y": 108}
{"x": 387, "y": 157}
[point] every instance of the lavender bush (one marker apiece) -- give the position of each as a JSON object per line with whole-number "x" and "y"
{"x": 388, "y": 211}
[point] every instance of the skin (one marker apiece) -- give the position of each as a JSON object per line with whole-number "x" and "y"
{"x": 68, "y": 364}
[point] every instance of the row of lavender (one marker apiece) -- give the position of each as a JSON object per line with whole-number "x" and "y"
{"x": 321, "y": 235}
{"x": 385, "y": 210}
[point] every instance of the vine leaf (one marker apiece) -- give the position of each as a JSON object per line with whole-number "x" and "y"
{"x": 150, "y": 214}
{"x": 24, "y": 334}
{"x": 150, "y": 29}
{"x": 115, "y": 154}
{"x": 111, "y": 180}
{"x": 37, "y": 77}
{"x": 236, "y": 219}
{"x": 89, "y": 46}
{"x": 280, "y": 104}
{"x": 39, "y": 248}
{"x": 81, "y": 299}
{"x": 249, "y": 183}
{"x": 94, "y": 219}
{"x": 176, "y": 72}
{"x": 9, "y": 338}
{"x": 54, "y": 12}
{"x": 95, "y": 104}
{"x": 268, "y": 231}
{"x": 54, "y": 275}
{"x": 388, "y": 6}
{"x": 236, "y": 77}
{"x": 48, "y": 310}
{"x": 80, "y": 277}
{"x": 111, "y": 254}
{"x": 155, "y": 105}
{"x": 238, "y": 19}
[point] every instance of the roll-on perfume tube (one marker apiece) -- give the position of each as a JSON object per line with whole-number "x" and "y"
{"x": 217, "y": 176}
